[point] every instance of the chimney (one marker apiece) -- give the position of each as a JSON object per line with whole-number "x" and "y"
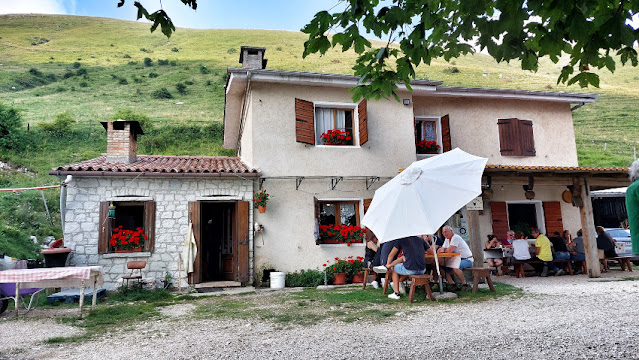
{"x": 122, "y": 140}
{"x": 253, "y": 57}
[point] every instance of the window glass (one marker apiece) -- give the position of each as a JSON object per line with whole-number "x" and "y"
{"x": 427, "y": 131}
{"x": 348, "y": 215}
{"x": 327, "y": 214}
{"x": 333, "y": 119}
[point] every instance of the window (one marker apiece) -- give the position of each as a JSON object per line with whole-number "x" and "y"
{"x": 338, "y": 222}
{"x": 130, "y": 215}
{"x": 339, "y": 213}
{"x": 334, "y": 119}
{"x": 426, "y": 130}
{"x": 435, "y": 129}
{"x": 516, "y": 137}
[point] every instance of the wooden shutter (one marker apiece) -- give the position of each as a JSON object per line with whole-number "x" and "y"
{"x": 194, "y": 218}
{"x": 104, "y": 228}
{"x": 304, "y": 122}
{"x": 499, "y": 215}
{"x": 149, "y": 225}
{"x": 509, "y": 137}
{"x": 367, "y": 203}
{"x": 242, "y": 231}
{"x": 554, "y": 221}
{"x": 446, "y": 143}
{"x": 363, "y": 122}
{"x": 317, "y": 219}
{"x": 526, "y": 138}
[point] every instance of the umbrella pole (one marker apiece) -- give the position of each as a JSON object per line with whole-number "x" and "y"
{"x": 439, "y": 275}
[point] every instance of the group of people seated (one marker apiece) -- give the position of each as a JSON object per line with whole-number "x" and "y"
{"x": 407, "y": 256}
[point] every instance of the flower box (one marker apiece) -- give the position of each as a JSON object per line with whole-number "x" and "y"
{"x": 120, "y": 251}
{"x": 123, "y": 240}
{"x": 340, "y": 234}
{"x": 336, "y": 137}
{"x": 427, "y": 147}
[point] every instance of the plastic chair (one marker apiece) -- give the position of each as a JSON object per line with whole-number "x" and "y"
{"x": 133, "y": 266}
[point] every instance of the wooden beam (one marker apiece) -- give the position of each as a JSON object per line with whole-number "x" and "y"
{"x": 588, "y": 229}
{"x": 475, "y": 238}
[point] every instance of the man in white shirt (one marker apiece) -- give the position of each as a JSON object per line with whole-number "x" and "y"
{"x": 454, "y": 243}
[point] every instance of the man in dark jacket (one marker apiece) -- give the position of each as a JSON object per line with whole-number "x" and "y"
{"x": 607, "y": 244}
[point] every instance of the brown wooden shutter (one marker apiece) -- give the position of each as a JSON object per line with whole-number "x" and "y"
{"x": 242, "y": 238}
{"x": 446, "y": 143}
{"x": 317, "y": 219}
{"x": 104, "y": 228}
{"x": 367, "y": 203}
{"x": 194, "y": 218}
{"x": 509, "y": 137}
{"x": 363, "y": 122}
{"x": 499, "y": 215}
{"x": 554, "y": 221}
{"x": 149, "y": 225}
{"x": 526, "y": 138}
{"x": 304, "y": 122}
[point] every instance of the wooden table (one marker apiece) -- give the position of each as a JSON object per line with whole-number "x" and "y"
{"x": 55, "y": 277}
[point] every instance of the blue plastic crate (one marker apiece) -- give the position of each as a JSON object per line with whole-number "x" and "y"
{"x": 73, "y": 295}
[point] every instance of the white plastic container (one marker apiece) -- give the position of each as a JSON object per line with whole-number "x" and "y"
{"x": 278, "y": 280}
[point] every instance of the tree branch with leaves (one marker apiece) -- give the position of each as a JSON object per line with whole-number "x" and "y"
{"x": 159, "y": 17}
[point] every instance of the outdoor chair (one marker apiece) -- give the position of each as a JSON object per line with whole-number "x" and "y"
{"x": 133, "y": 266}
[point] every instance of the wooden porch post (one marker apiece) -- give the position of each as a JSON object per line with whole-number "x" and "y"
{"x": 475, "y": 238}
{"x": 588, "y": 229}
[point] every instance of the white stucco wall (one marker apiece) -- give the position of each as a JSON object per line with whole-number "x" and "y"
{"x": 473, "y": 127}
{"x": 171, "y": 219}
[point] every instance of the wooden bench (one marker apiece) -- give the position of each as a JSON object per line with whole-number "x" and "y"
{"x": 519, "y": 265}
{"x": 478, "y": 273}
{"x": 415, "y": 280}
{"x": 624, "y": 261}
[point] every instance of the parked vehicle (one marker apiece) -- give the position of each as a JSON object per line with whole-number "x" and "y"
{"x": 623, "y": 246}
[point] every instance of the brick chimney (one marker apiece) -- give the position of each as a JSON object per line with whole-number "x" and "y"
{"x": 122, "y": 140}
{"x": 253, "y": 57}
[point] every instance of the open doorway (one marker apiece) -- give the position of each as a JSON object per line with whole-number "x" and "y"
{"x": 216, "y": 245}
{"x": 522, "y": 217}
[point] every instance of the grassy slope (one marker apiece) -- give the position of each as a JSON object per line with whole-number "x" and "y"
{"x": 111, "y": 50}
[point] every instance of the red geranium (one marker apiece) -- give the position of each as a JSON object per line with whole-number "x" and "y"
{"x": 341, "y": 233}
{"x": 122, "y": 239}
{"x": 336, "y": 137}
{"x": 427, "y": 147}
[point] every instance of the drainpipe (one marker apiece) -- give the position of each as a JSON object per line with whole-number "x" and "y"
{"x": 238, "y": 145}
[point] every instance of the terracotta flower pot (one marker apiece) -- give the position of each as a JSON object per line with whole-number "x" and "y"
{"x": 137, "y": 249}
{"x": 261, "y": 209}
{"x": 340, "y": 279}
{"x": 358, "y": 278}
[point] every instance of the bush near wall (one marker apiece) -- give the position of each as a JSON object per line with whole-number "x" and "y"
{"x": 305, "y": 278}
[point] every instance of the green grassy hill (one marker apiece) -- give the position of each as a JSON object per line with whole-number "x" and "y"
{"x": 90, "y": 68}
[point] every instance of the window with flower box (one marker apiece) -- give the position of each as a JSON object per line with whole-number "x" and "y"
{"x": 131, "y": 215}
{"x": 339, "y": 221}
{"x": 432, "y": 134}
{"x": 323, "y": 123}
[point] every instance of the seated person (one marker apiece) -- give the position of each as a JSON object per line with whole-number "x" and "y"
{"x": 372, "y": 255}
{"x": 508, "y": 241}
{"x": 520, "y": 247}
{"x": 493, "y": 243}
{"x": 606, "y": 246}
{"x": 577, "y": 250}
{"x": 411, "y": 263}
{"x": 544, "y": 253}
{"x": 453, "y": 243}
{"x": 559, "y": 244}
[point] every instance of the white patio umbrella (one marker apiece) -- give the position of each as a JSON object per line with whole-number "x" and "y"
{"x": 423, "y": 196}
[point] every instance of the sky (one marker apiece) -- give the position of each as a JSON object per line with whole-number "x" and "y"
{"x": 210, "y": 14}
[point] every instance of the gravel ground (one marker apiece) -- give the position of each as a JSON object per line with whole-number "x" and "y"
{"x": 568, "y": 317}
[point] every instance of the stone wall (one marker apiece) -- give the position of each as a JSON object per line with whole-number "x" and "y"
{"x": 171, "y": 219}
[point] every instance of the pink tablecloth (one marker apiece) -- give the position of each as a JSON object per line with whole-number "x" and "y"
{"x": 43, "y": 274}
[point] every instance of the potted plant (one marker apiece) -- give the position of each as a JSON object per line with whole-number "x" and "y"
{"x": 338, "y": 234}
{"x": 355, "y": 269}
{"x": 427, "y": 147}
{"x": 336, "y": 137}
{"x": 337, "y": 271}
{"x": 123, "y": 240}
{"x": 260, "y": 199}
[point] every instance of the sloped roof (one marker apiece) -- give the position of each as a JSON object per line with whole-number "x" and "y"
{"x": 165, "y": 165}
{"x": 576, "y": 169}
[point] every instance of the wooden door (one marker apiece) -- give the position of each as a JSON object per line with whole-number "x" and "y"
{"x": 229, "y": 247}
{"x": 194, "y": 218}
{"x": 242, "y": 240}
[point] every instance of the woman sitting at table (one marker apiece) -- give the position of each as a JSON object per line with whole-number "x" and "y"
{"x": 493, "y": 243}
{"x": 520, "y": 247}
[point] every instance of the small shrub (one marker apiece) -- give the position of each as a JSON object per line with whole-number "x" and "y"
{"x": 181, "y": 88}
{"x": 123, "y": 81}
{"x": 204, "y": 70}
{"x": 148, "y": 62}
{"x": 127, "y": 56}
{"x": 137, "y": 80}
{"x": 305, "y": 278}
{"x": 279, "y": 48}
{"x": 188, "y": 82}
{"x": 231, "y": 51}
{"x": 173, "y": 63}
{"x": 153, "y": 75}
{"x": 133, "y": 62}
{"x": 68, "y": 74}
{"x": 163, "y": 62}
{"x": 50, "y": 77}
{"x": 84, "y": 84}
{"x": 126, "y": 114}
{"x": 114, "y": 77}
{"x": 59, "y": 127}
{"x": 10, "y": 128}
{"x": 35, "y": 72}
{"x": 451, "y": 70}
{"x": 208, "y": 83}
{"x": 144, "y": 50}
{"x": 60, "y": 89}
{"x": 81, "y": 72}
{"x": 162, "y": 93}
{"x": 175, "y": 49}
{"x": 76, "y": 65}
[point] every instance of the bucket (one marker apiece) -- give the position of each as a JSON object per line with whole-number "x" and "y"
{"x": 277, "y": 280}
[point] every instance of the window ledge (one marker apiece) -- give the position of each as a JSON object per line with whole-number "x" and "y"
{"x": 339, "y": 146}
{"x": 342, "y": 245}
{"x": 126, "y": 255}
{"x": 425, "y": 156}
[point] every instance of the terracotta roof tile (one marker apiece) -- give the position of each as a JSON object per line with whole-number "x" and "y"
{"x": 163, "y": 164}
{"x": 559, "y": 168}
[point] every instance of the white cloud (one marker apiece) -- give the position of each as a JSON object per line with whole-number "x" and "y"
{"x": 32, "y": 6}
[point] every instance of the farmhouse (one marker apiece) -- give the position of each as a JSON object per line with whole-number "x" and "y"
{"x": 278, "y": 122}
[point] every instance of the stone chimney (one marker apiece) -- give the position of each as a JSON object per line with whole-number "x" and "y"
{"x": 253, "y": 57}
{"x": 122, "y": 140}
